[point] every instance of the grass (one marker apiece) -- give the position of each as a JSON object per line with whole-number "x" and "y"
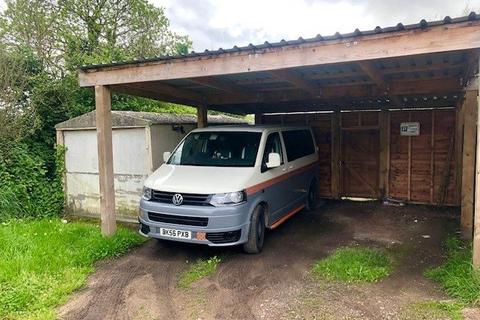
{"x": 457, "y": 275}
{"x": 197, "y": 270}
{"x": 43, "y": 261}
{"x": 433, "y": 310}
{"x": 354, "y": 265}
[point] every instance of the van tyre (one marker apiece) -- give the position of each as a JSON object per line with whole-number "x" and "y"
{"x": 312, "y": 196}
{"x": 256, "y": 233}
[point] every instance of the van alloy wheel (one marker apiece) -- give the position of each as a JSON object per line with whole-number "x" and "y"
{"x": 256, "y": 233}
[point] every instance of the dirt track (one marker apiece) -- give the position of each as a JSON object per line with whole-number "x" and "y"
{"x": 275, "y": 284}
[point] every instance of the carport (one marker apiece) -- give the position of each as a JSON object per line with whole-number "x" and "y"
{"x": 394, "y": 109}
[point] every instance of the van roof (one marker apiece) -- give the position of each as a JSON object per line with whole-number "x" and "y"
{"x": 251, "y": 128}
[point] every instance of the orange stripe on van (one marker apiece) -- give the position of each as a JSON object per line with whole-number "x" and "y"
{"x": 289, "y": 215}
{"x": 268, "y": 183}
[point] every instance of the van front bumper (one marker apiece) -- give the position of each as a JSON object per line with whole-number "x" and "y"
{"x": 217, "y": 226}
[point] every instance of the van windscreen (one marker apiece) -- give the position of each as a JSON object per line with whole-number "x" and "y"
{"x": 217, "y": 149}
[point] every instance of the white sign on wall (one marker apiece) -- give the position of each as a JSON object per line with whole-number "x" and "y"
{"x": 410, "y": 128}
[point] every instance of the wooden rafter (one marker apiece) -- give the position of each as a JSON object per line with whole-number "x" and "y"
{"x": 170, "y": 90}
{"x": 217, "y": 84}
{"x": 342, "y": 75}
{"x": 373, "y": 73}
{"x": 397, "y": 87}
{"x": 297, "y": 81}
{"x": 152, "y": 94}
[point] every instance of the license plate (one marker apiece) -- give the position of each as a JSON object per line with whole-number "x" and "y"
{"x": 173, "y": 233}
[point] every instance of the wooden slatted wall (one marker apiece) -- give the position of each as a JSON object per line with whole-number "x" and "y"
{"x": 417, "y": 166}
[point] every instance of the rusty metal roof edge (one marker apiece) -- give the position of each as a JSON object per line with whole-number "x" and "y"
{"x": 423, "y": 24}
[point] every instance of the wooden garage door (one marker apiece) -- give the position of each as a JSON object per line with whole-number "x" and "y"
{"x": 359, "y": 163}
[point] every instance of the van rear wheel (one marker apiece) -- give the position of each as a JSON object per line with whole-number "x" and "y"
{"x": 256, "y": 233}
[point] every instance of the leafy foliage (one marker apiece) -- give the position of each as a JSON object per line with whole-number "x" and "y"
{"x": 42, "y": 261}
{"x": 457, "y": 274}
{"x": 42, "y": 43}
{"x": 354, "y": 265}
{"x": 26, "y": 190}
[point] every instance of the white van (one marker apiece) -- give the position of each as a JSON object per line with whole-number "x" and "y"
{"x": 223, "y": 186}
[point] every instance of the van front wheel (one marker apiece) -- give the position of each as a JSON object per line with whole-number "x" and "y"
{"x": 256, "y": 233}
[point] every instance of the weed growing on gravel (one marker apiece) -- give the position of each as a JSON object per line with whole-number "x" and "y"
{"x": 433, "y": 310}
{"x": 43, "y": 261}
{"x": 197, "y": 270}
{"x": 457, "y": 275}
{"x": 354, "y": 265}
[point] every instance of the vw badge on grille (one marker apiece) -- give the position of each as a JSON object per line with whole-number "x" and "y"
{"x": 177, "y": 199}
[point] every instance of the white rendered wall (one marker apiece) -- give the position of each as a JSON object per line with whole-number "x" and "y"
{"x": 130, "y": 164}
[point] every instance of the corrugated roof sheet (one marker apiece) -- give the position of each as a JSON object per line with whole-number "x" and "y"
{"x": 141, "y": 119}
{"x": 423, "y": 24}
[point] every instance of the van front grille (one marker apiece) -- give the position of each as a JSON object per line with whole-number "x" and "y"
{"x": 174, "y": 219}
{"x": 188, "y": 198}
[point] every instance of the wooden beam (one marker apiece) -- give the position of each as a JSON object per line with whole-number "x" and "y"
{"x": 384, "y": 152}
{"x": 336, "y": 147}
{"x": 468, "y": 163}
{"x": 399, "y": 87}
{"x": 217, "y": 84}
{"x": 442, "y": 38}
{"x": 342, "y": 75}
{"x": 432, "y": 158}
{"x": 297, "y": 81}
{"x": 258, "y": 118}
{"x": 151, "y": 94}
{"x": 105, "y": 159}
{"x": 202, "y": 117}
{"x": 476, "y": 218}
{"x": 373, "y": 73}
{"x": 458, "y": 151}
{"x": 169, "y": 90}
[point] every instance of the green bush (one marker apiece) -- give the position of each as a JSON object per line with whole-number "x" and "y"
{"x": 457, "y": 275}
{"x": 26, "y": 189}
{"x": 354, "y": 265}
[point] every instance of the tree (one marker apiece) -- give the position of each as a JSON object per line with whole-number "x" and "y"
{"x": 17, "y": 116}
{"x": 69, "y": 33}
{"x": 50, "y": 39}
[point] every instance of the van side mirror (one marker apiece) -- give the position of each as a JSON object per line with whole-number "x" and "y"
{"x": 273, "y": 160}
{"x": 166, "y": 156}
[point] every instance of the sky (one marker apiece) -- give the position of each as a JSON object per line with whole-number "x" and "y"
{"x": 213, "y": 24}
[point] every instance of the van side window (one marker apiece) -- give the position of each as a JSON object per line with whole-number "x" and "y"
{"x": 274, "y": 145}
{"x": 299, "y": 143}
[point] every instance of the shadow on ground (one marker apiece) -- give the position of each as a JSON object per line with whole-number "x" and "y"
{"x": 276, "y": 284}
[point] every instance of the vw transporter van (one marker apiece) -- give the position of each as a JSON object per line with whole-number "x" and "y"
{"x": 225, "y": 185}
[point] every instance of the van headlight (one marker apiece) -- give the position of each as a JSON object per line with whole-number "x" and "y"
{"x": 231, "y": 198}
{"x": 147, "y": 193}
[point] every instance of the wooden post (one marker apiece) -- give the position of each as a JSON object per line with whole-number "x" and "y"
{"x": 409, "y": 170}
{"x": 335, "y": 125}
{"x": 202, "y": 121}
{"x": 258, "y": 118}
{"x": 105, "y": 159}
{"x": 384, "y": 152}
{"x": 468, "y": 163}
{"x": 476, "y": 224}
{"x": 459, "y": 118}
